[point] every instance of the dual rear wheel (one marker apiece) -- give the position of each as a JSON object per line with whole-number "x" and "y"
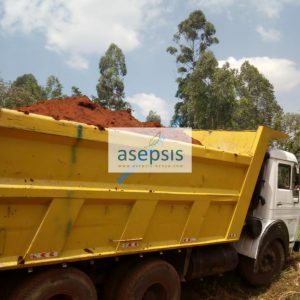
{"x": 148, "y": 279}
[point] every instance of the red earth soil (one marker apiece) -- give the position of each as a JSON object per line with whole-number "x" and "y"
{"x": 82, "y": 109}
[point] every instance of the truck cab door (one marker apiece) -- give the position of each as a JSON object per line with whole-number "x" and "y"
{"x": 287, "y": 206}
{"x": 296, "y": 195}
{"x": 296, "y": 183}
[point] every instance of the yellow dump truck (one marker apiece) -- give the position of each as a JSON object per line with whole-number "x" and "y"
{"x": 67, "y": 225}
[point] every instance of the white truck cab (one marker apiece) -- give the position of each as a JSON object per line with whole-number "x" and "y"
{"x": 278, "y": 202}
{"x": 282, "y": 178}
{"x": 271, "y": 229}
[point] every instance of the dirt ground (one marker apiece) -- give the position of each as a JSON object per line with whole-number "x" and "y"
{"x": 231, "y": 287}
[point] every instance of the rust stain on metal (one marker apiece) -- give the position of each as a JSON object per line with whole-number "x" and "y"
{"x": 21, "y": 260}
{"x": 87, "y": 250}
{"x": 9, "y": 212}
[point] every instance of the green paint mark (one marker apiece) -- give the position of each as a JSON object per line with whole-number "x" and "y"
{"x": 68, "y": 228}
{"x": 79, "y": 131}
{"x": 69, "y": 194}
{"x": 74, "y": 147}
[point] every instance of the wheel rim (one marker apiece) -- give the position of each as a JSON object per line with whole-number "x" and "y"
{"x": 268, "y": 260}
{"x": 154, "y": 292}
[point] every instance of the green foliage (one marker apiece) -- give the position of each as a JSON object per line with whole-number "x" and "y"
{"x": 76, "y": 91}
{"x": 53, "y": 88}
{"x": 200, "y": 81}
{"x": 29, "y": 84}
{"x": 194, "y": 36}
{"x": 256, "y": 103}
{"x": 153, "y": 117}
{"x": 17, "y": 94}
{"x": 291, "y": 125}
{"x": 217, "y": 97}
{"x": 26, "y": 90}
{"x": 211, "y": 95}
{"x": 110, "y": 87}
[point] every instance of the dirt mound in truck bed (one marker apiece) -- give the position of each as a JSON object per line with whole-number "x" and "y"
{"x": 82, "y": 109}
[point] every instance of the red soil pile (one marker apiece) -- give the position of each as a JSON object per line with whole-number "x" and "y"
{"x": 82, "y": 109}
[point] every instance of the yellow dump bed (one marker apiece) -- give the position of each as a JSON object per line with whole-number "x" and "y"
{"x": 59, "y": 203}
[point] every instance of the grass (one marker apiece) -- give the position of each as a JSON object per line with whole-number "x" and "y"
{"x": 231, "y": 286}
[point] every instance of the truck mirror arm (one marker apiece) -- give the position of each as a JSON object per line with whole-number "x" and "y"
{"x": 262, "y": 200}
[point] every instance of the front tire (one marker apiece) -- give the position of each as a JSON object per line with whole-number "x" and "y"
{"x": 266, "y": 267}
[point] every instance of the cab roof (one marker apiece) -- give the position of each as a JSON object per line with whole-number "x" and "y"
{"x": 283, "y": 155}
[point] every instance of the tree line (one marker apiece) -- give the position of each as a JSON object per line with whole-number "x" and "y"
{"x": 220, "y": 97}
{"x": 209, "y": 96}
{"x": 26, "y": 90}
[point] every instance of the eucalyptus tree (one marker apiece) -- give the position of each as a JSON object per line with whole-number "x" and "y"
{"x": 110, "y": 87}
{"x": 206, "y": 92}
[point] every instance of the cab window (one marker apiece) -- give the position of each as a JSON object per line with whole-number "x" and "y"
{"x": 284, "y": 176}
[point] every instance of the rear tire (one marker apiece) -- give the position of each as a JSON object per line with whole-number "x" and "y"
{"x": 270, "y": 262}
{"x": 150, "y": 280}
{"x": 54, "y": 284}
{"x": 115, "y": 277}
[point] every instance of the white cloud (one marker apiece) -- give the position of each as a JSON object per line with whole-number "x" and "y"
{"x": 142, "y": 103}
{"x": 282, "y": 73}
{"x": 78, "y": 62}
{"x": 269, "y": 8}
{"x": 79, "y": 28}
{"x": 216, "y": 5}
{"x": 268, "y": 35}
{"x": 272, "y": 8}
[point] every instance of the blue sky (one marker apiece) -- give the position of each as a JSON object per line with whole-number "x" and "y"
{"x": 66, "y": 38}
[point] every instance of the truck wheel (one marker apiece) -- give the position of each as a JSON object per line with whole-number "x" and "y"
{"x": 114, "y": 278}
{"x": 54, "y": 284}
{"x": 269, "y": 262}
{"x": 150, "y": 280}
